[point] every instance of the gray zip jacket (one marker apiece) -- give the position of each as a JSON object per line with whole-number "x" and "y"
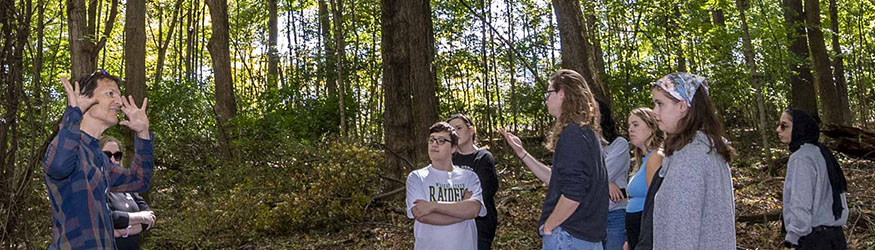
{"x": 808, "y": 194}
{"x": 695, "y": 206}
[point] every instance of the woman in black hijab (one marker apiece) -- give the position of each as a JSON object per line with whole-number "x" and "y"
{"x": 815, "y": 207}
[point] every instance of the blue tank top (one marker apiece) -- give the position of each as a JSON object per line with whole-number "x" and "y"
{"x": 637, "y": 188}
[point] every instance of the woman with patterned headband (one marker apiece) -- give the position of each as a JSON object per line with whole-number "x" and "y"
{"x": 690, "y": 202}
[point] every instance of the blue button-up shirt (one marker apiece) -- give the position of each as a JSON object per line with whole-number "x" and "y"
{"x": 78, "y": 175}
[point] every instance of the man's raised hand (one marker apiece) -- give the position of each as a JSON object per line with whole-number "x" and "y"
{"x": 74, "y": 97}
{"x": 136, "y": 117}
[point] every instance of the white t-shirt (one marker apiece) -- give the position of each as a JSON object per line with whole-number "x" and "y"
{"x": 431, "y": 184}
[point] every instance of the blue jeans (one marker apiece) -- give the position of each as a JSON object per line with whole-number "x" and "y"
{"x": 616, "y": 230}
{"x": 562, "y": 240}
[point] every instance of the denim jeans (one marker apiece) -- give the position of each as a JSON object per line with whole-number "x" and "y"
{"x": 616, "y": 230}
{"x": 562, "y": 240}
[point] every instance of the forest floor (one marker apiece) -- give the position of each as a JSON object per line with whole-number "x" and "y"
{"x": 521, "y": 194}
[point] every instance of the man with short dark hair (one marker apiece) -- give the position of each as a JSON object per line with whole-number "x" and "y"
{"x": 78, "y": 174}
{"x": 444, "y": 199}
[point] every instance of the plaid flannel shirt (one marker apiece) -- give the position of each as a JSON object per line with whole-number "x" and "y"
{"x": 78, "y": 175}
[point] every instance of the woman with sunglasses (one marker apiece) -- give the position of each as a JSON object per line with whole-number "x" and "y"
{"x": 815, "y": 206}
{"x": 130, "y": 213}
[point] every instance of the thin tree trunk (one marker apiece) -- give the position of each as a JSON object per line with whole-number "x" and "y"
{"x": 750, "y": 59}
{"x": 135, "y": 59}
{"x": 164, "y": 43}
{"x": 225, "y": 107}
{"x": 15, "y": 23}
{"x": 328, "y": 65}
{"x": 337, "y": 6}
{"x": 839, "y": 64}
{"x": 828, "y": 94}
{"x": 272, "y": 53}
{"x": 802, "y": 89}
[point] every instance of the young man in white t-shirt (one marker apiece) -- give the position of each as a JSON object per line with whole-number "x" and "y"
{"x": 443, "y": 198}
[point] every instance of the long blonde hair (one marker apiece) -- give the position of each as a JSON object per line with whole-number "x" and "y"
{"x": 656, "y": 136}
{"x": 579, "y": 105}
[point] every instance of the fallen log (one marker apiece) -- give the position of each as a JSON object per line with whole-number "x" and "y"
{"x": 851, "y": 141}
{"x": 760, "y": 218}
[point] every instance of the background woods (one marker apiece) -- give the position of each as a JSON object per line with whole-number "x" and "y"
{"x": 292, "y": 123}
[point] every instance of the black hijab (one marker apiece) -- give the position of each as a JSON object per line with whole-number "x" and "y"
{"x": 807, "y": 130}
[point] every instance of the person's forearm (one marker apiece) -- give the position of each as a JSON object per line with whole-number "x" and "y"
{"x": 539, "y": 169}
{"x": 136, "y": 229}
{"x": 138, "y": 177}
{"x": 466, "y": 209}
{"x": 133, "y": 230}
{"x": 63, "y": 153}
{"x": 564, "y": 208}
{"x": 439, "y": 219}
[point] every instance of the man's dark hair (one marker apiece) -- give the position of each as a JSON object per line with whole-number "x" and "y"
{"x": 445, "y": 127}
{"x": 87, "y": 84}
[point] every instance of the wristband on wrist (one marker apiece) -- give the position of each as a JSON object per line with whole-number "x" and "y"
{"x": 788, "y": 244}
{"x": 524, "y": 156}
{"x": 127, "y": 232}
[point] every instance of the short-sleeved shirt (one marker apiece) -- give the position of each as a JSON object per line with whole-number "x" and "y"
{"x": 482, "y": 163}
{"x": 433, "y": 185}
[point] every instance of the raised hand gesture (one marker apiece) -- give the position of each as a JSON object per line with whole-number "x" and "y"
{"x": 74, "y": 97}
{"x": 515, "y": 143}
{"x": 136, "y": 117}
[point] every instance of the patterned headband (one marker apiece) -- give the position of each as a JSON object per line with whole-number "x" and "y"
{"x": 681, "y": 85}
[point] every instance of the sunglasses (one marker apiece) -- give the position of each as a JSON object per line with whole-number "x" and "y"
{"x": 783, "y": 126}
{"x": 116, "y": 155}
{"x": 101, "y": 72}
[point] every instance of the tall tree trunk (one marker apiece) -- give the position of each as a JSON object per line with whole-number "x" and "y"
{"x": 84, "y": 46}
{"x": 577, "y": 51}
{"x": 337, "y": 7}
{"x": 328, "y": 65}
{"x": 831, "y": 102}
{"x": 750, "y": 59}
{"x": 423, "y": 78}
{"x": 272, "y": 54}
{"x": 14, "y": 31}
{"x": 226, "y": 105}
{"x": 409, "y": 80}
{"x": 839, "y": 63}
{"x": 802, "y": 91}
{"x": 135, "y": 59}
{"x": 398, "y": 116}
{"x": 512, "y": 65}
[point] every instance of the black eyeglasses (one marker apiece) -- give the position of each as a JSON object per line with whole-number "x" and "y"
{"x": 439, "y": 141}
{"x": 116, "y": 155}
{"x": 547, "y": 93}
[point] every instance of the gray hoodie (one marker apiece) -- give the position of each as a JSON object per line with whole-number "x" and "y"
{"x": 695, "y": 207}
{"x": 808, "y": 194}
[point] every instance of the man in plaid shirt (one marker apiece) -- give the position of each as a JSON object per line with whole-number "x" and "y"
{"x": 78, "y": 174}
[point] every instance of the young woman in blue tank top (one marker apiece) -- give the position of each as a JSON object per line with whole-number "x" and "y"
{"x": 645, "y": 135}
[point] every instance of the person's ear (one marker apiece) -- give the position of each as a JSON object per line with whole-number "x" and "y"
{"x": 683, "y": 106}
